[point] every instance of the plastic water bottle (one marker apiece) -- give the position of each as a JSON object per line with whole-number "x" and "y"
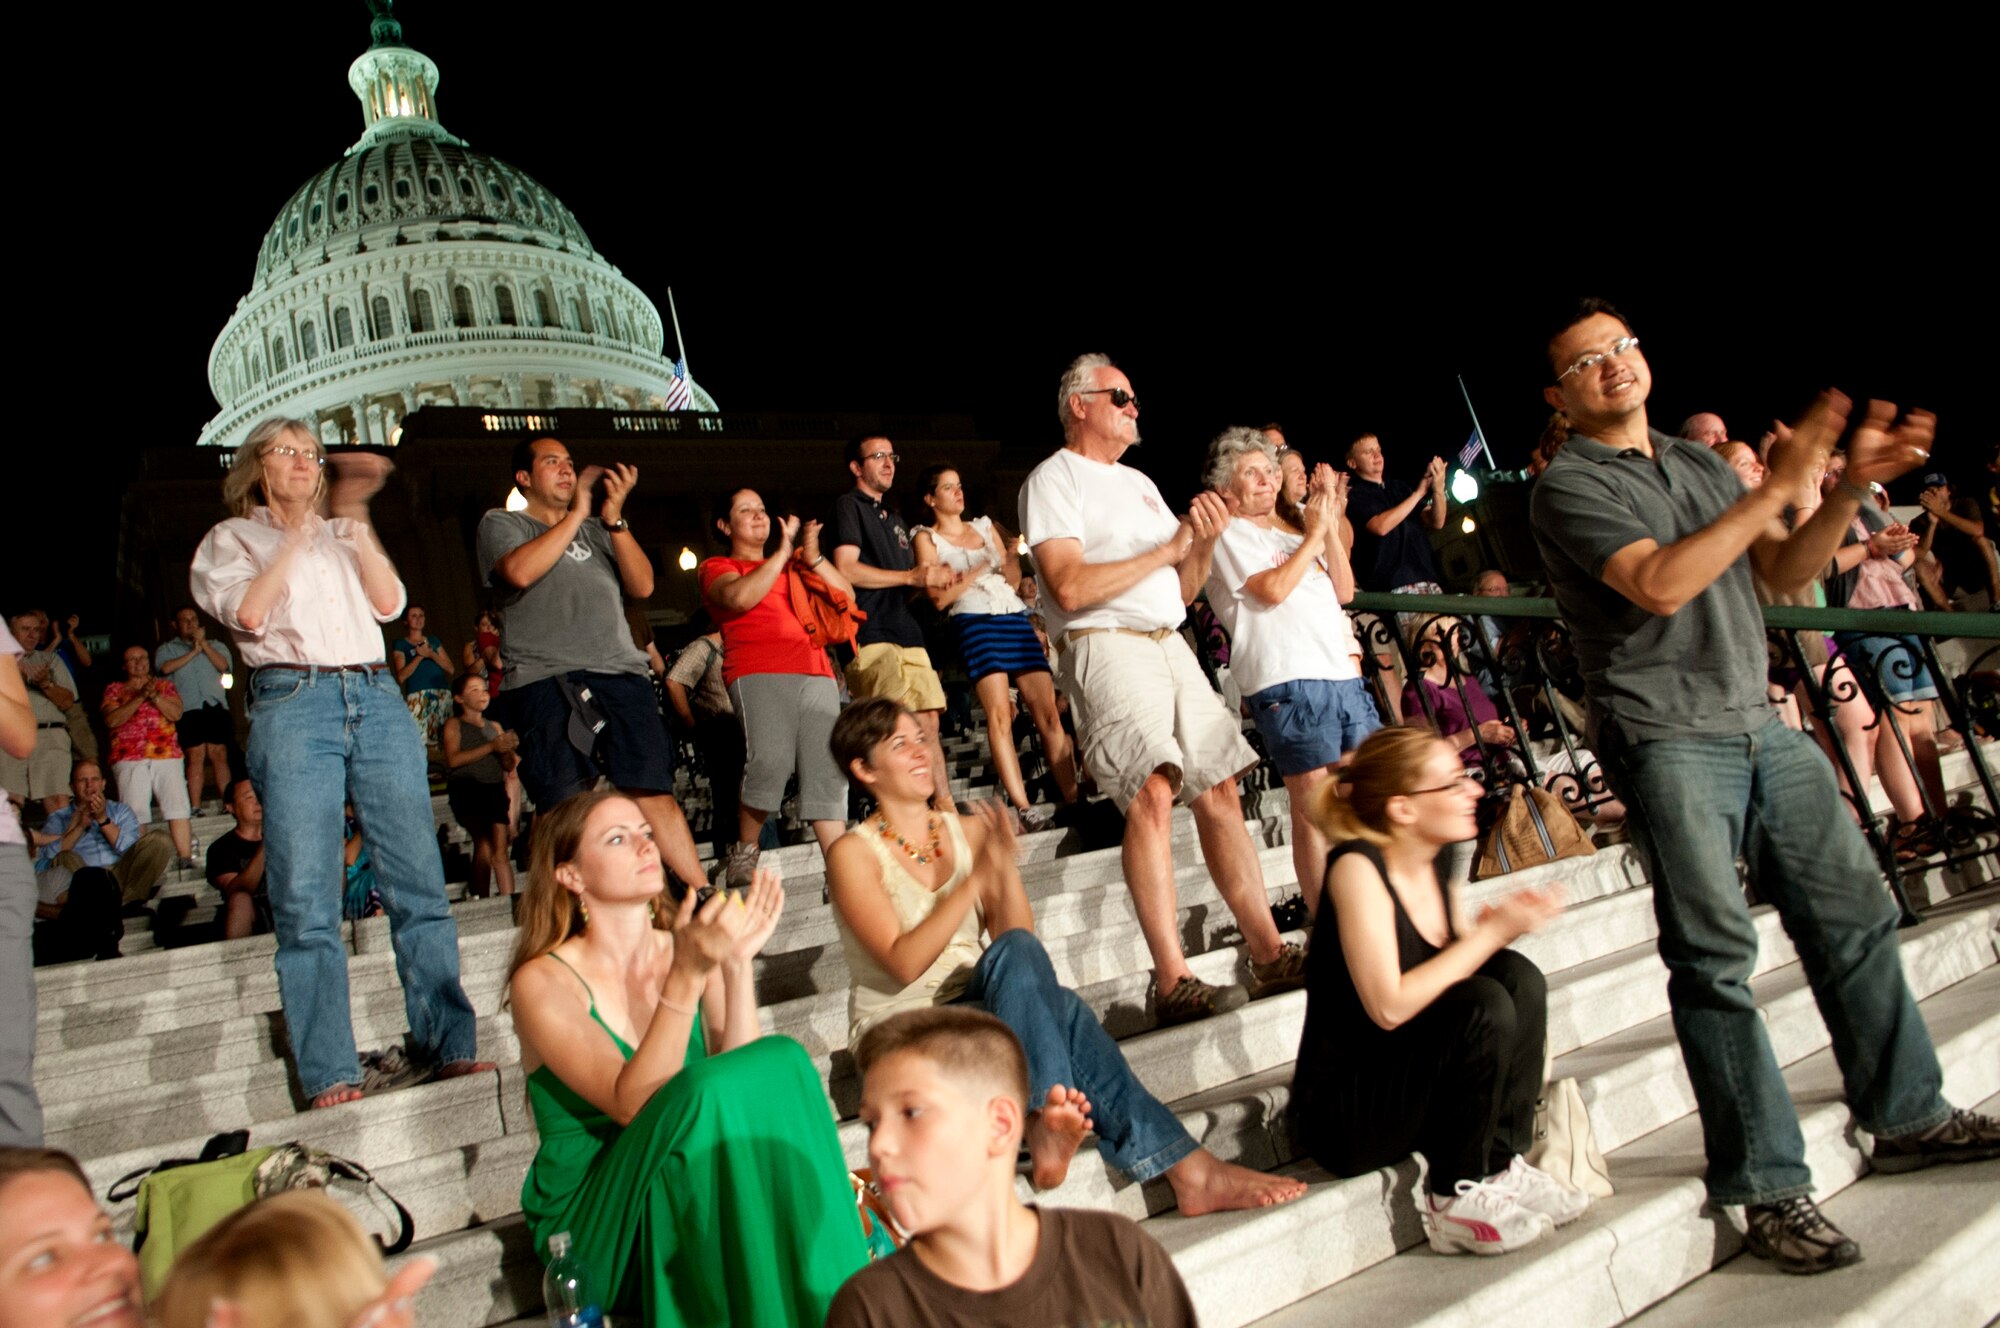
{"x": 568, "y": 1291}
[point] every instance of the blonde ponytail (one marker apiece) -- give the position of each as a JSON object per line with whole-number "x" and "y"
{"x": 1388, "y": 763}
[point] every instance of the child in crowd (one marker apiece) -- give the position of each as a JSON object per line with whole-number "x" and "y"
{"x": 1423, "y": 1031}
{"x": 479, "y": 754}
{"x": 294, "y": 1260}
{"x": 945, "y": 1098}
{"x": 912, "y": 905}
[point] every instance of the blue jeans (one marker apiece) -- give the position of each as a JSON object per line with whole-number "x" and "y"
{"x": 1015, "y": 983}
{"x": 1694, "y": 804}
{"x": 317, "y": 739}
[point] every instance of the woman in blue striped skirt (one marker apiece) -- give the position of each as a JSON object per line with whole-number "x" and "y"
{"x": 994, "y": 635}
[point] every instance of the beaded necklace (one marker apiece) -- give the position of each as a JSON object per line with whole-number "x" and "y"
{"x": 930, "y": 826}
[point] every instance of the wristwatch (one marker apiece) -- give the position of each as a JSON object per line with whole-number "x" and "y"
{"x": 618, "y": 527}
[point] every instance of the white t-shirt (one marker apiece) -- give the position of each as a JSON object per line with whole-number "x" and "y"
{"x": 1116, "y": 513}
{"x": 1306, "y": 635}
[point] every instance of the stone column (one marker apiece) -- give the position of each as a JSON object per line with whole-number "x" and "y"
{"x": 362, "y": 434}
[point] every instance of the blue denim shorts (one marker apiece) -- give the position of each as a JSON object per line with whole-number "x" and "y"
{"x": 1891, "y": 666}
{"x": 1312, "y": 722}
{"x": 632, "y": 750}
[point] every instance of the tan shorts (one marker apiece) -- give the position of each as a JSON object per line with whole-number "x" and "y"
{"x": 901, "y": 673}
{"x": 1143, "y": 706}
{"x": 46, "y": 771}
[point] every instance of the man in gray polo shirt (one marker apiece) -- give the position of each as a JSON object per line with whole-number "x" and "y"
{"x": 1649, "y": 542}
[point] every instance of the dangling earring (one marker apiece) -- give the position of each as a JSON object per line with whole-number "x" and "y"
{"x": 584, "y": 909}
{"x": 653, "y": 910}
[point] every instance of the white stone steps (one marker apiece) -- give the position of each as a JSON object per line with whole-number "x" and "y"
{"x": 1243, "y": 1118}
{"x": 1657, "y": 1234}
{"x": 1927, "y": 1242}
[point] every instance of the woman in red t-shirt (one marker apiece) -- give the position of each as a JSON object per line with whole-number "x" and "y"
{"x": 780, "y": 682}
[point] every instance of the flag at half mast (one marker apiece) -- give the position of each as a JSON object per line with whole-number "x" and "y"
{"x": 679, "y": 395}
{"x": 1470, "y": 452}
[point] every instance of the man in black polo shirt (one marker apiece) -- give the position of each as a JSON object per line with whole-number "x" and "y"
{"x": 1649, "y": 543}
{"x": 236, "y": 866}
{"x": 871, "y": 548}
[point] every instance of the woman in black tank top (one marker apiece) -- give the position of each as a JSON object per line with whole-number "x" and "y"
{"x": 1423, "y": 1033}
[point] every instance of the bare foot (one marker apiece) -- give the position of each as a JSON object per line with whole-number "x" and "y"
{"x": 336, "y": 1095}
{"x": 1204, "y": 1183}
{"x": 1053, "y": 1134}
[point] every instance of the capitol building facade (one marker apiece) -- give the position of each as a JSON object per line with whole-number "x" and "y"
{"x": 415, "y": 271}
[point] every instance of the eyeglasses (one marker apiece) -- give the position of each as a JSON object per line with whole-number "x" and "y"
{"x": 1120, "y": 398}
{"x": 1465, "y": 782}
{"x": 889, "y": 457}
{"x": 286, "y": 453}
{"x": 1588, "y": 362}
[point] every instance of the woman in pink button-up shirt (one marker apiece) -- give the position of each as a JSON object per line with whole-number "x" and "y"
{"x": 304, "y": 593}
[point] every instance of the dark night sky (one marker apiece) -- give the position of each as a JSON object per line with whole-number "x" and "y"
{"x": 927, "y": 215}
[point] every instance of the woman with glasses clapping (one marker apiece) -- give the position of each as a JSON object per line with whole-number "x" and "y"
{"x": 1423, "y": 1031}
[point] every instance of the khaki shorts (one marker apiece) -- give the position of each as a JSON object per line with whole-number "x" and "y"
{"x": 46, "y": 771}
{"x": 1142, "y": 706}
{"x": 900, "y": 673}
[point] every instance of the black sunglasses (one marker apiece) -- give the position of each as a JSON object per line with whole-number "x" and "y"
{"x": 1120, "y": 398}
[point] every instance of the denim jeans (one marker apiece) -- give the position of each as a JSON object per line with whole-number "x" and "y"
{"x": 1015, "y": 983}
{"x": 319, "y": 738}
{"x": 1694, "y": 804}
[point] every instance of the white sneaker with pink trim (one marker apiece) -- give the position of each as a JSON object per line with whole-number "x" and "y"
{"x": 1481, "y": 1218}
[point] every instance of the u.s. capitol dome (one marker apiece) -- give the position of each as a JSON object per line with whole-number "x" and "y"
{"x": 416, "y": 271}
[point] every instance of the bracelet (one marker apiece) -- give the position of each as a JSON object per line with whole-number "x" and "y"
{"x": 815, "y": 562}
{"x": 689, "y": 1010}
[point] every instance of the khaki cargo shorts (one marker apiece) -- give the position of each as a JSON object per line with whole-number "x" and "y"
{"x": 1142, "y": 706}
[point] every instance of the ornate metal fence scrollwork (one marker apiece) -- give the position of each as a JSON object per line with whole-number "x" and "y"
{"x": 1524, "y": 649}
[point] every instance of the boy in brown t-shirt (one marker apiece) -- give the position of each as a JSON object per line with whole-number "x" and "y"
{"x": 945, "y": 1097}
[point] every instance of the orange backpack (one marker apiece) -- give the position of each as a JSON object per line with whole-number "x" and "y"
{"x": 829, "y": 617}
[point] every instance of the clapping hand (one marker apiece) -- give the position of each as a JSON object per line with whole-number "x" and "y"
{"x": 1934, "y": 502}
{"x": 1208, "y": 516}
{"x": 1882, "y": 449}
{"x": 1434, "y": 473}
{"x": 761, "y": 906}
{"x": 790, "y": 528}
{"x": 1523, "y": 911}
{"x": 809, "y": 540}
{"x": 619, "y": 481}
{"x": 1000, "y": 848}
{"x": 357, "y": 477}
{"x": 707, "y": 936}
{"x": 1892, "y": 541}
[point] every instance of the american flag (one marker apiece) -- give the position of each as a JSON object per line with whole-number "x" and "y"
{"x": 679, "y": 396}
{"x": 1470, "y": 452}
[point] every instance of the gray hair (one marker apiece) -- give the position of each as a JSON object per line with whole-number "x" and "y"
{"x": 242, "y": 486}
{"x": 1081, "y": 376}
{"x": 1226, "y": 453}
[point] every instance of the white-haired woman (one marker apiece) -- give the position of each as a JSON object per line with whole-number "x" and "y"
{"x": 1292, "y": 651}
{"x": 305, "y": 594}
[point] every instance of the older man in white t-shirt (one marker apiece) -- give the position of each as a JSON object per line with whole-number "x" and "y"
{"x": 1120, "y": 569}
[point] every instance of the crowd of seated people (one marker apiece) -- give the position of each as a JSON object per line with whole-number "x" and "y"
{"x": 632, "y": 989}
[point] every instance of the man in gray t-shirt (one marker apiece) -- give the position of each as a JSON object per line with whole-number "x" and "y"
{"x": 576, "y": 688}
{"x": 1649, "y": 543}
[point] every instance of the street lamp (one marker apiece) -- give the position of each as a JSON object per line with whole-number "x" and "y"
{"x": 687, "y": 559}
{"x": 1464, "y": 487}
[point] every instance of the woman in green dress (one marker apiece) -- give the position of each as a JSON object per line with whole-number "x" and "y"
{"x": 693, "y": 1161}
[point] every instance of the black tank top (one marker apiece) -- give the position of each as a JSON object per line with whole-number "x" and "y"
{"x": 1336, "y": 1021}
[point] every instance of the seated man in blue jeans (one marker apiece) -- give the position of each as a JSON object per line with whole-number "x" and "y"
{"x": 577, "y": 689}
{"x": 1649, "y": 542}
{"x": 914, "y": 889}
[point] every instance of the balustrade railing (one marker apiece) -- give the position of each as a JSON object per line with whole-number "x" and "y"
{"x": 1518, "y": 652}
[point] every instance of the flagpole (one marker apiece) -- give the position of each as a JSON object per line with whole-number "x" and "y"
{"x": 1491, "y": 464}
{"x": 681, "y": 347}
